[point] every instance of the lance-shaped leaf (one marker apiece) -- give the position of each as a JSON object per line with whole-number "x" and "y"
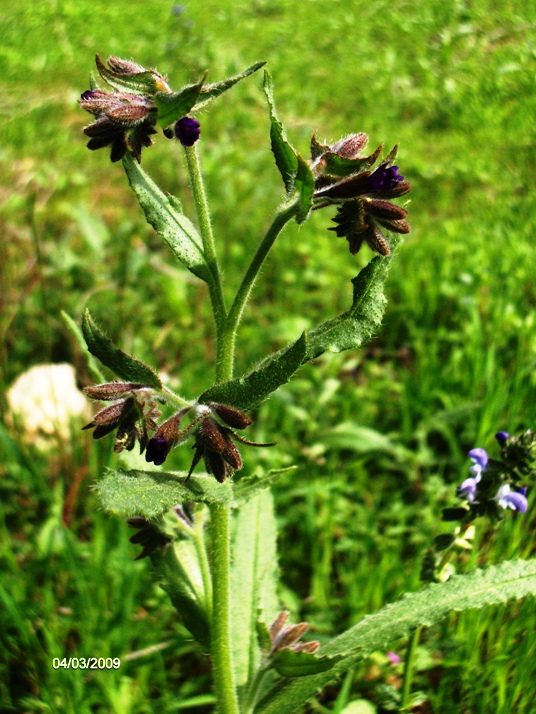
{"x": 151, "y": 493}
{"x": 286, "y": 158}
{"x": 254, "y": 574}
{"x": 211, "y": 91}
{"x": 163, "y": 215}
{"x": 174, "y": 105}
{"x": 493, "y": 585}
{"x": 143, "y": 82}
{"x": 304, "y": 185}
{"x": 121, "y": 363}
{"x": 249, "y": 391}
{"x": 76, "y": 331}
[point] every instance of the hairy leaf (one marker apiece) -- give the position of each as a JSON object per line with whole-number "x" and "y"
{"x": 121, "y": 364}
{"x": 151, "y": 493}
{"x": 286, "y": 158}
{"x": 163, "y": 215}
{"x": 76, "y": 331}
{"x": 174, "y": 105}
{"x": 304, "y": 185}
{"x": 211, "y": 91}
{"x": 493, "y": 585}
{"x": 249, "y": 391}
{"x": 253, "y": 580}
{"x": 301, "y": 664}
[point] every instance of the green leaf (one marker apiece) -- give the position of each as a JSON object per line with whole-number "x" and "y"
{"x": 211, "y": 91}
{"x": 249, "y": 391}
{"x": 151, "y": 493}
{"x": 121, "y": 364}
{"x": 493, "y": 585}
{"x": 286, "y": 158}
{"x": 171, "y": 576}
{"x": 249, "y": 486}
{"x": 139, "y": 83}
{"x": 304, "y": 185}
{"x": 163, "y": 215}
{"x": 174, "y": 105}
{"x": 74, "y": 329}
{"x": 301, "y": 664}
{"x": 254, "y": 574}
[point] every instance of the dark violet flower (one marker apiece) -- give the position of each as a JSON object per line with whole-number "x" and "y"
{"x": 501, "y": 437}
{"x": 516, "y": 500}
{"x": 384, "y": 178}
{"x": 157, "y": 450}
{"x": 187, "y": 131}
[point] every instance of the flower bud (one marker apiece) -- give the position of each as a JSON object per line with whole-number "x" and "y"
{"x": 230, "y": 415}
{"x": 187, "y": 131}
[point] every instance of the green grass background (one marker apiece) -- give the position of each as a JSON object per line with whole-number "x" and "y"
{"x": 379, "y": 435}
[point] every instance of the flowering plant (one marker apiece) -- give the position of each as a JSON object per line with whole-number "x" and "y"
{"x": 211, "y": 535}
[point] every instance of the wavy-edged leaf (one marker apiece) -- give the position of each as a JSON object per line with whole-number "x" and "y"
{"x": 121, "y": 363}
{"x": 76, "y": 331}
{"x": 304, "y": 185}
{"x": 249, "y": 486}
{"x": 151, "y": 493}
{"x": 254, "y": 573}
{"x": 249, "y": 391}
{"x": 211, "y": 91}
{"x": 163, "y": 215}
{"x": 301, "y": 664}
{"x": 174, "y": 105}
{"x": 286, "y": 158}
{"x": 491, "y": 586}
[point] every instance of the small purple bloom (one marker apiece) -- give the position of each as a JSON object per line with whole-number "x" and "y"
{"x": 394, "y": 658}
{"x": 468, "y": 488}
{"x": 501, "y": 437}
{"x": 480, "y": 459}
{"x": 515, "y": 500}
{"x": 187, "y": 131}
{"x": 157, "y": 450}
{"x": 385, "y": 177}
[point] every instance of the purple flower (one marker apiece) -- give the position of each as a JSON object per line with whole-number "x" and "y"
{"x": 515, "y": 500}
{"x": 394, "y": 658}
{"x": 187, "y": 131}
{"x": 480, "y": 459}
{"x": 501, "y": 437}
{"x": 467, "y": 489}
{"x": 157, "y": 450}
{"x": 385, "y": 177}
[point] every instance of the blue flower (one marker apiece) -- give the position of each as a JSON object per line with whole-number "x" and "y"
{"x": 501, "y": 437}
{"x": 384, "y": 178}
{"x": 468, "y": 488}
{"x": 515, "y": 500}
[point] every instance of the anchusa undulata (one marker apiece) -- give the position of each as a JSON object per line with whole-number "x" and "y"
{"x": 285, "y": 637}
{"x": 212, "y": 430}
{"x": 494, "y": 486}
{"x": 344, "y": 177}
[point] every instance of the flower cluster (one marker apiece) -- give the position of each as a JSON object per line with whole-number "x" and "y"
{"x": 486, "y": 474}
{"x": 212, "y": 429}
{"x": 344, "y": 177}
{"x": 132, "y": 414}
{"x": 126, "y": 116}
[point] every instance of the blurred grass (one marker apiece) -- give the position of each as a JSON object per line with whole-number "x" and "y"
{"x": 453, "y": 363}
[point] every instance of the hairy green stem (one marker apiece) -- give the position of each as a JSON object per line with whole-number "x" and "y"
{"x": 408, "y": 667}
{"x": 222, "y": 662}
{"x": 199, "y": 542}
{"x": 205, "y": 227}
{"x": 226, "y": 346}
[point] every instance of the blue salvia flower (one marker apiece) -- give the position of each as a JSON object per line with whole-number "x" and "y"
{"x": 515, "y": 500}
{"x": 468, "y": 488}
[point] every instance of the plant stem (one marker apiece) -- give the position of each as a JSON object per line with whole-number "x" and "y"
{"x": 408, "y": 667}
{"x": 222, "y": 662}
{"x": 205, "y": 227}
{"x": 201, "y": 551}
{"x": 226, "y": 344}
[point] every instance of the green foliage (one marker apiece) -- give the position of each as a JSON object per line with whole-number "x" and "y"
{"x": 174, "y": 105}
{"x": 286, "y": 158}
{"x": 164, "y": 216}
{"x": 123, "y": 365}
{"x": 496, "y": 584}
{"x": 249, "y": 391}
{"x": 151, "y": 493}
